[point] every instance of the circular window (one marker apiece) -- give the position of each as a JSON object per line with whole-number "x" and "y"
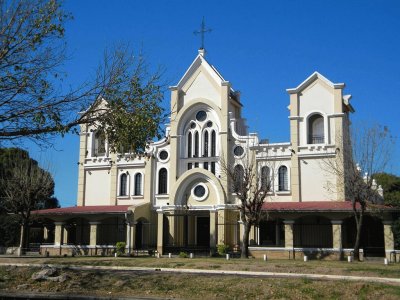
{"x": 193, "y": 125}
{"x": 163, "y": 155}
{"x": 209, "y": 124}
{"x": 200, "y": 192}
{"x": 201, "y": 116}
{"x": 238, "y": 151}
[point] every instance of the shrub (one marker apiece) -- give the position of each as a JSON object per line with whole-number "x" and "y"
{"x": 222, "y": 249}
{"x": 183, "y": 255}
{"x": 120, "y": 248}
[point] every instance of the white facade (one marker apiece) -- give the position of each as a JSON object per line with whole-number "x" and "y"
{"x": 207, "y": 128}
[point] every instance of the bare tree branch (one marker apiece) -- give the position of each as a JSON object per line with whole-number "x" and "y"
{"x": 365, "y": 152}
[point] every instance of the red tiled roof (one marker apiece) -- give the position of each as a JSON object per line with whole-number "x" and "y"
{"x": 309, "y": 206}
{"x": 84, "y": 210}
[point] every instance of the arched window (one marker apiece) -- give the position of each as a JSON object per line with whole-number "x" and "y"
{"x": 265, "y": 179}
{"x": 196, "y": 144}
{"x": 162, "y": 181}
{"x": 123, "y": 184}
{"x": 205, "y": 145}
{"x": 99, "y": 146}
{"x": 138, "y": 184}
{"x": 283, "y": 179}
{"x": 213, "y": 143}
{"x": 238, "y": 177}
{"x": 189, "y": 145}
{"x": 316, "y": 129}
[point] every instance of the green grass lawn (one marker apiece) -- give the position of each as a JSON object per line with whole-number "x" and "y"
{"x": 190, "y": 286}
{"x": 187, "y": 286}
{"x": 215, "y": 263}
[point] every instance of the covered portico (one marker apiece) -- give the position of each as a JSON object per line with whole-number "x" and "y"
{"x": 197, "y": 230}
{"x": 94, "y": 230}
{"x": 320, "y": 229}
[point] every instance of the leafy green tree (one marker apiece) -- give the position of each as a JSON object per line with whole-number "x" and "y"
{"x": 24, "y": 187}
{"x": 391, "y": 188}
{"x": 34, "y": 101}
{"x": 391, "y": 192}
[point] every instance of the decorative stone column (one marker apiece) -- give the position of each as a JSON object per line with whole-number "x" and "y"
{"x": 160, "y": 232}
{"x": 241, "y": 232}
{"x": 221, "y": 227}
{"x": 94, "y": 233}
{"x": 213, "y": 232}
{"x": 65, "y": 235}
{"x": 337, "y": 237}
{"x": 170, "y": 218}
{"x": 389, "y": 238}
{"x": 288, "y": 233}
{"x": 58, "y": 233}
{"x": 129, "y": 236}
{"x": 45, "y": 234}
{"x": 252, "y": 235}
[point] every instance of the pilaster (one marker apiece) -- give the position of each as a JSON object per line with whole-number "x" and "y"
{"x": 213, "y": 234}
{"x": 174, "y": 137}
{"x": 160, "y": 232}
{"x": 221, "y": 227}
{"x": 83, "y": 149}
{"x": 113, "y": 181}
{"x": 295, "y": 142}
{"x": 149, "y": 178}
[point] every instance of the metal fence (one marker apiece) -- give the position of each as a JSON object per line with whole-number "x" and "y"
{"x": 312, "y": 235}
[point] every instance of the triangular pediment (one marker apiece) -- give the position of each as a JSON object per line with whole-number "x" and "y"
{"x": 200, "y": 64}
{"x": 312, "y": 79}
{"x": 203, "y": 84}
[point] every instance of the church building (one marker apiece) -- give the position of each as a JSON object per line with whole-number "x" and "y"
{"x": 177, "y": 197}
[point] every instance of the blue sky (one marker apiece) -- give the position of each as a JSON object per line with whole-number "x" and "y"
{"x": 261, "y": 47}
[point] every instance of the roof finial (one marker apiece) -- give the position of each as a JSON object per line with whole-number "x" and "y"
{"x": 202, "y": 31}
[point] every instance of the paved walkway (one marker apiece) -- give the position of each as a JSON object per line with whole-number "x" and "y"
{"x": 213, "y": 272}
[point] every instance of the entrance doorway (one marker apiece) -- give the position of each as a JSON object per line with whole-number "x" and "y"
{"x": 203, "y": 231}
{"x": 139, "y": 235}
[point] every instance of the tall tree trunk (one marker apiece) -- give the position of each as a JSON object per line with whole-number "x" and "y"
{"x": 22, "y": 241}
{"x": 245, "y": 245}
{"x": 358, "y": 236}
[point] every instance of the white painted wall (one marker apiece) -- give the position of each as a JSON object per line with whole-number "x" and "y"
{"x": 316, "y": 183}
{"x": 98, "y": 184}
{"x": 202, "y": 88}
